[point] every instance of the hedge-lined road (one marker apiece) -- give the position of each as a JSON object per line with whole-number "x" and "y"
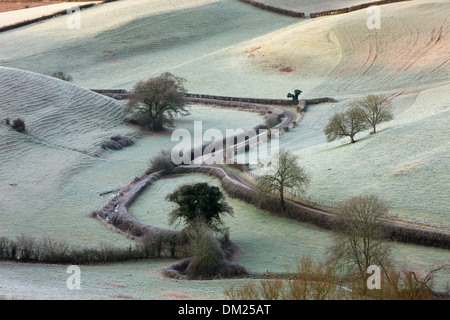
{"x": 324, "y": 218}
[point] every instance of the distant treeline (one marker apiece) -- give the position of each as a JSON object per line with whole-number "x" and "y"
{"x": 353, "y": 8}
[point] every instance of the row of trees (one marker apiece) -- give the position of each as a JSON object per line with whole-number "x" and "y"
{"x": 363, "y": 114}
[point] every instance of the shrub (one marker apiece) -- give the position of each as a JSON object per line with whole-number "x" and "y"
{"x": 53, "y": 250}
{"x": 112, "y": 145}
{"x": 117, "y": 143}
{"x": 208, "y": 260}
{"x": 311, "y": 281}
{"x": 18, "y": 125}
{"x": 62, "y": 76}
{"x": 123, "y": 141}
{"x": 27, "y": 248}
{"x": 162, "y": 162}
{"x": 7, "y": 250}
{"x": 208, "y": 256}
{"x": 271, "y": 120}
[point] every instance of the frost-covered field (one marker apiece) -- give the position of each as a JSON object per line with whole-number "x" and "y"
{"x": 147, "y": 38}
{"x": 309, "y": 6}
{"x": 406, "y": 162}
{"x": 231, "y": 48}
{"x": 131, "y": 280}
{"x": 50, "y": 179}
{"x": 267, "y": 243}
{"x": 12, "y": 17}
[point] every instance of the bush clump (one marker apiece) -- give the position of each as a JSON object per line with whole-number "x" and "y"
{"x": 18, "y": 125}
{"x": 117, "y": 143}
{"x": 162, "y": 162}
{"x": 271, "y": 120}
{"x": 123, "y": 141}
{"x": 209, "y": 260}
{"x": 62, "y": 76}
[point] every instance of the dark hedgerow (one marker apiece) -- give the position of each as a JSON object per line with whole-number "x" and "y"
{"x": 25, "y": 248}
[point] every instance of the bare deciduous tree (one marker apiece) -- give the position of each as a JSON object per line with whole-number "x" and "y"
{"x": 360, "y": 240}
{"x": 157, "y": 101}
{"x": 376, "y": 109}
{"x": 346, "y": 124}
{"x": 284, "y": 174}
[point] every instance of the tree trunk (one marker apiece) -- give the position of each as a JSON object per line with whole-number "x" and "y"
{"x": 283, "y": 205}
{"x": 157, "y": 125}
{"x": 352, "y": 140}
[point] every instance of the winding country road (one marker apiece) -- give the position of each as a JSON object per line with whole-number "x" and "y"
{"x": 241, "y": 180}
{"x": 319, "y": 217}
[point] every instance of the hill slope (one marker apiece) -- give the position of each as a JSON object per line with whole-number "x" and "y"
{"x": 52, "y": 176}
{"x": 147, "y": 38}
{"x": 65, "y": 127}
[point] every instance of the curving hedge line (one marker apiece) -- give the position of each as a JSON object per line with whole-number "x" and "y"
{"x": 321, "y": 219}
{"x": 282, "y": 102}
{"x": 116, "y": 209}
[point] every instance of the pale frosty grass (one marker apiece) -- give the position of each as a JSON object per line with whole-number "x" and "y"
{"x": 147, "y": 38}
{"x": 309, "y": 6}
{"x": 51, "y": 178}
{"x": 405, "y": 163}
{"x": 12, "y": 17}
{"x": 128, "y": 280}
{"x": 57, "y": 185}
{"x": 240, "y": 50}
{"x": 269, "y": 243}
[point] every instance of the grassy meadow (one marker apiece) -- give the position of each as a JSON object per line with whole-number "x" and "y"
{"x": 52, "y": 177}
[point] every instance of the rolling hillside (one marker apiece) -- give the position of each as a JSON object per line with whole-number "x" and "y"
{"x": 65, "y": 127}
{"x": 146, "y": 39}
{"x": 51, "y": 177}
